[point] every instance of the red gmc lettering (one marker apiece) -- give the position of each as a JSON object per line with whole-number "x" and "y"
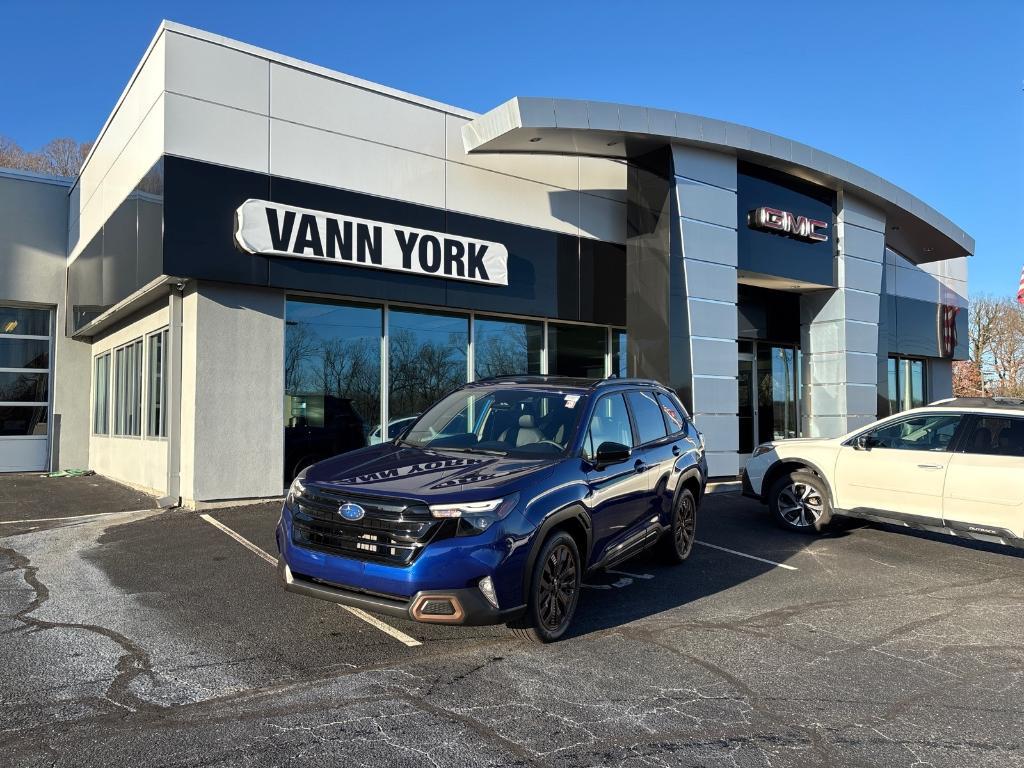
{"x": 787, "y": 223}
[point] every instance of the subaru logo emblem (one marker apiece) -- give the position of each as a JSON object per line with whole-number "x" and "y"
{"x": 351, "y": 511}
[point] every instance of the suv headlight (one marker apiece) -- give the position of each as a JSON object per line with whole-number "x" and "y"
{"x": 762, "y": 448}
{"x": 296, "y": 489}
{"x": 476, "y": 516}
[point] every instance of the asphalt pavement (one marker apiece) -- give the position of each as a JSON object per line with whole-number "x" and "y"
{"x": 132, "y": 636}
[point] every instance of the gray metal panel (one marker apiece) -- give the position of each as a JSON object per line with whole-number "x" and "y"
{"x": 33, "y": 243}
{"x": 930, "y": 236}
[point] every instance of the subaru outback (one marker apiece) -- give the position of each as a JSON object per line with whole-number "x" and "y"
{"x": 496, "y": 502}
{"x": 953, "y": 467}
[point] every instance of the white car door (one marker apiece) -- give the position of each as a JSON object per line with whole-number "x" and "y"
{"x": 897, "y": 467}
{"x": 984, "y": 489}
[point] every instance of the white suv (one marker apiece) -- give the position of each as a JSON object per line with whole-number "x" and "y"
{"x": 955, "y": 466}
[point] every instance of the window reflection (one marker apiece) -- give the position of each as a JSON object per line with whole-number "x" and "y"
{"x": 333, "y": 367}
{"x": 24, "y": 353}
{"x": 22, "y": 421}
{"x": 894, "y": 386}
{"x": 620, "y": 361}
{"x": 577, "y": 350}
{"x": 331, "y": 378}
{"x": 907, "y": 384}
{"x": 506, "y": 347}
{"x": 426, "y": 359}
{"x": 23, "y": 387}
{"x": 24, "y": 322}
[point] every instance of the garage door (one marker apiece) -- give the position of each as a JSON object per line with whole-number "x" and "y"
{"x": 25, "y": 344}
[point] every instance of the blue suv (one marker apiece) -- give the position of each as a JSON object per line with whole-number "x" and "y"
{"x": 497, "y": 501}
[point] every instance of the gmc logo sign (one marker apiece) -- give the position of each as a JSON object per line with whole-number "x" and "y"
{"x": 786, "y": 223}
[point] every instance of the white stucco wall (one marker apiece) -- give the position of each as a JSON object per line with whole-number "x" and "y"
{"x": 140, "y": 462}
{"x": 232, "y": 393}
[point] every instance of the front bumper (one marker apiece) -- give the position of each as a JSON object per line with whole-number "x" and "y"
{"x": 468, "y": 605}
{"x": 748, "y": 488}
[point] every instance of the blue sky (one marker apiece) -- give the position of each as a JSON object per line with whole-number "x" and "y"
{"x": 929, "y": 95}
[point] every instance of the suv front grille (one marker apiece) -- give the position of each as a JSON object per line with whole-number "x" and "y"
{"x": 392, "y": 530}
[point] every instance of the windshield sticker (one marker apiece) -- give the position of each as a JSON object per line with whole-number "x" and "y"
{"x": 571, "y": 400}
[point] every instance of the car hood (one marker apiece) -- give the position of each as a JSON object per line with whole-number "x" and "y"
{"x": 797, "y": 443}
{"x": 422, "y": 473}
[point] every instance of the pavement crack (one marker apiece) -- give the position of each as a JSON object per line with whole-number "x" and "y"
{"x": 133, "y": 662}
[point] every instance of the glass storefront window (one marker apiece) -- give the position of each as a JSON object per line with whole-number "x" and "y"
{"x": 16, "y": 387}
{"x": 426, "y": 359}
{"x": 21, "y": 421}
{"x": 24, "y": 353}
{"x": 777, "y": 398}
{"x": 907, "y": 384}
{"x": 156, "y": 425}
{"x": 333, "y": 367}
{"x": 22, "y": 321}
{"x": 620, "y": 360}
{"x": 506, "y": 347}
{"x": 332, "y": 379}
{"x": 916, "y": 379}
{"x": 101, "y": 394}
{"x": 128, "y": 389}
{"x": 577, "y": 350}
{"x": 894, "y": 386}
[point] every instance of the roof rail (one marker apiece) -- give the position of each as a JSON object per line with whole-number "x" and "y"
{"x": 1005, "y": 403}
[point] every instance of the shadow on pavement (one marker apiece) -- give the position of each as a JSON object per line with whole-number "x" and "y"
{"x": 33, "y": 496}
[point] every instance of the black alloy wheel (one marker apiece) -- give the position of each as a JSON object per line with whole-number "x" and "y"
{"x": 557, "y": 587}
{"x": 554, "y": 591}
{"x": 678, "y": 542}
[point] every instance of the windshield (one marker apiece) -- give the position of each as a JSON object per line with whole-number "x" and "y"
{"x": 514, "y": 421}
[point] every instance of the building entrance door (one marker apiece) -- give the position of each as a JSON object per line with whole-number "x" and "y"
{"x": 770, "y": 393}
{"x": 25, "y": 338}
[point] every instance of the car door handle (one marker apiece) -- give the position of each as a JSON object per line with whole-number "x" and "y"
{"x": 640, "y": 466}
{"x": 675, "y": 450}
{"x": 929, "y": 466}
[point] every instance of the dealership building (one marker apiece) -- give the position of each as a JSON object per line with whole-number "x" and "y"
{"x": 264, "y": 262}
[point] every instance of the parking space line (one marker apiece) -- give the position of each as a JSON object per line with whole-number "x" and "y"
{"x": 357, "y": 612}
{"x": 644, "y": 576}
{"x": 73, "y": 517}
{"x": 744, "y": 554}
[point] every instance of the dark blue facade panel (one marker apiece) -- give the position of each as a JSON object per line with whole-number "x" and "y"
{"x": 917, "y": 328}
{"x": 550, "y": 274}
{"x": 776, "y": 253}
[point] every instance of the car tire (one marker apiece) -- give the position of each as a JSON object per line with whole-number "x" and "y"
{"x": 554, "y": 591}
{"x": 677, "y": 542}
{"x": 800, "y": 501}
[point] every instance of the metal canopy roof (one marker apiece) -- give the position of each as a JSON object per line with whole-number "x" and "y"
{"x": 620, "y": 131}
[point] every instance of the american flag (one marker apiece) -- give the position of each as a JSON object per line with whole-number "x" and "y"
{"x": 949, "y": 308}
{"x": 947, "y": 328}
{"x": 1020, "y": 289}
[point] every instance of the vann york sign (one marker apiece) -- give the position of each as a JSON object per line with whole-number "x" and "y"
{"x": 786, "y": 223}
{"x": 273, "y": 229}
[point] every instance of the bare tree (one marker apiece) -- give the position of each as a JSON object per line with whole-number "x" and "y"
{"x": 300, "y": 346}
{"x": 1007, "y": 349}
{"x": 59, "y": 157}
{"x": 11, "y": 155}
{"x": 62, "y": 157}
{"x": 996, "y": 340}
{"x": 982, "y": 319}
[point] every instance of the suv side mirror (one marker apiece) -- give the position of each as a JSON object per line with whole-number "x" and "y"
{"x": 864, "y": 442}
{"x": 609, "y": 453}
